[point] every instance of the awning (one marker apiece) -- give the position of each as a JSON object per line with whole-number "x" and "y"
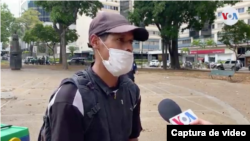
{"x": 200, "y": 58}
{"x": 212, "y": 51}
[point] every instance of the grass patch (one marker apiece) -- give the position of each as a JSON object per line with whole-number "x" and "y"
{"x": 4, "y": 62}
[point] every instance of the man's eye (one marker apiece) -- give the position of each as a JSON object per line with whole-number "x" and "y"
{"x": 119, "y": 39}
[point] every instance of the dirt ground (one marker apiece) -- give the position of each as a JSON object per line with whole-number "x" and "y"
{"x": 218, "y": 100}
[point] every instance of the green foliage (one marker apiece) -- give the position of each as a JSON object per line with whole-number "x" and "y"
{"x": 5, "y": 45}
{"x": 52, "y": 60}
{"x": 41, "y": 48}
{"x": 7, "y": 19}
{"x": 198, "y": 43}
{"x": 210, "y": 42}
{"x": 72, "y": 49}
{"x": 17, "y": 27}
{"x": 48, "y": 34}
{"x": 233, "y": 36}
{"x": 29, "y": 37}
{"x": 29, "y": 19}
{"x": 185, "y": 50}
{"x": 168, "y": 16}
{"x": 65, "y": 12}
{"x": 26, "y": 52}
{"x": 204, "y": 44}
{"x": 71, "y": 36}
{"x": 45, "y": 34}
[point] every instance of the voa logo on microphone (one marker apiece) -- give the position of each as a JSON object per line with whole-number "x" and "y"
{"x": 184, "y": 118}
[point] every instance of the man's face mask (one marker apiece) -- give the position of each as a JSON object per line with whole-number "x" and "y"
{"x": 120, "y": 62}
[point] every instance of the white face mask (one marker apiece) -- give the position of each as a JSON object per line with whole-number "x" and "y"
{"x": 120, "y": 62}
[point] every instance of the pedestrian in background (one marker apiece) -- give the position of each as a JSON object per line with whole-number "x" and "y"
{"x": 133, "y": 71}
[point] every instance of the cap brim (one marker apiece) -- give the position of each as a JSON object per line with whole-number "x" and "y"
{"x": 140, "y": 34}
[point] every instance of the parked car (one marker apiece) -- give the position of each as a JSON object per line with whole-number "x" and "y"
{"x": 154, "y": 63}
{"x": 28, "y": 59}
{"x": 168, "y": 63}
{"x": 230, "y": 64}
{"x": 188, "y": 65}
{"x": 76, "y": 61}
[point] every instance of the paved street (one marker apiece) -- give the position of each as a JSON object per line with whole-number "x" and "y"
{"x": 218, "y": 101}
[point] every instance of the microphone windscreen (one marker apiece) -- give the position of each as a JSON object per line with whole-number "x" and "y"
{"x": 168, "y": 109}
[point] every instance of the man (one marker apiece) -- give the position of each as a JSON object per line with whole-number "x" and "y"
{"x": 133, "y": 71}
{"x": 115, "y": 99}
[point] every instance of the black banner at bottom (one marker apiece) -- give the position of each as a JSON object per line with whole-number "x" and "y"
{"x": 198, "y": 132}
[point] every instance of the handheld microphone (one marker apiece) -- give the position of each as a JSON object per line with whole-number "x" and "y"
{"x": 171, "y": 112}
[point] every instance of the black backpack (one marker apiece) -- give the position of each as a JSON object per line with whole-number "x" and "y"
{"x": 83, "y": 82}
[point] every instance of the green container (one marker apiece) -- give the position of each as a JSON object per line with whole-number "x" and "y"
{"x": 9, "y": 132}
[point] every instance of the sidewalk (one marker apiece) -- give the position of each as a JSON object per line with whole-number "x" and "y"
{"x": 214, "y": 100}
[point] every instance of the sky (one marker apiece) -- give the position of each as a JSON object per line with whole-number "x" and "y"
{"x": 13, "y": 6}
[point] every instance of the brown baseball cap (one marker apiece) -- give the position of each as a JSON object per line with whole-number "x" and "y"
{"x": 108, "y": 22}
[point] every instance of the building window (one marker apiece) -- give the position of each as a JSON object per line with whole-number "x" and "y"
{"x": 110, "y": 7}
{"x": 220, "y": 25}
{"x": 153, "y": 32}
{"x": 186, "y": 41}
{"x": 241, "y": 10}
{"x": 219, "y": 14}
{"x": 212, "y": 26}
{"x": 179, "y": 42}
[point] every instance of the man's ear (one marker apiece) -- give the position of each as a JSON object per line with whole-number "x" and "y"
{"x": 94, "y": 40}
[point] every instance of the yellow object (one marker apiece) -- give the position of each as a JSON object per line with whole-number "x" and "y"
{"x": 15, "y": 139}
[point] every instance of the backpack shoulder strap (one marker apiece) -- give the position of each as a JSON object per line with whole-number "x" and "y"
{"x": 134, "y": 92}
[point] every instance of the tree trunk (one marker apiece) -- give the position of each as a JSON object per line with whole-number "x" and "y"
{"x": 163, "y": 54}
{"x": 175, "y": 64}
{"x": 53, "y": 50}
{"x": 166, "y": 55}
{"x": 64, "y": 55}
{"x": 46, "y": 50}
{"x": 60, "y": 55}
{"x": 236, "y": 57}
{"x": 31, "y": 49}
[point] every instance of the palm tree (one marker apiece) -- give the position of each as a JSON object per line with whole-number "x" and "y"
{"x": 72, "y": 49}
{"x": 185, "y": 50}
{"x": 200, "y": 44}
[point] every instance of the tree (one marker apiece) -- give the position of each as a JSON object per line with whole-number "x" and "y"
{"x": 185, "y": 50}
{"x": 236, "y": 35}
{"x": 5, "y": 45}
{"x": 16, "y": 27}
{"x": 30, "y": 39}
{"x": 72, "y": 49}
{"x": 7, "y": 19}
{"x": 168, "y": 16}
{"x": 64, "y": 13}
{"x": 203, "y": 44}
{"x": 48, "y": 35}
{"x": 29, "y": 19}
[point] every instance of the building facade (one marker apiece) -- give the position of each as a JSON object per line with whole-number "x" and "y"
{"x": 215, "y": 53}
{"x": 122, "y": 7}
{"x": 26, "y": 4}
